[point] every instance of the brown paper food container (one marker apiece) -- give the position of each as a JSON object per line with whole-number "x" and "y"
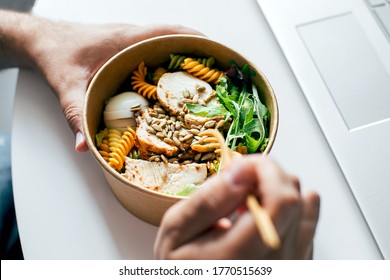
{"x": 146, "y": 204}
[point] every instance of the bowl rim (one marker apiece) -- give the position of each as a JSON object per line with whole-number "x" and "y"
{"x": 90, "y": 142}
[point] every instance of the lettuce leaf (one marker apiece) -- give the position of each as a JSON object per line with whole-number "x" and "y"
{"x": 186, "y": 190}
{"x": 209, "y": 111}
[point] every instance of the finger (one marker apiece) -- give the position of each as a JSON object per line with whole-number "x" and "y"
{"x": 72, "y": 103}
{"x": 307, "y": 227}
{"x": 277, "y": 193}
{"x": 223, "y": 244}
{"x": 295, "y": 182}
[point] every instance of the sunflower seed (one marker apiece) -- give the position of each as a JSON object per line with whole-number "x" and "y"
{"x": 186, "y": 93}
{"x": 176, "y": 134}
{"x": 172, "y": 127}
{"x": 188, "y": 137}
{"x": 173, "y": 119}
{"x": 187, "y": 162}
{"x": 194, "y": 131}
{"x": 160, "y": 110}
{"x": 169, "y": 135}
{"x": 200, "y": 88}
{"x": 156, "y": 127}
{"x": 163, "y": 123}
{"x": 220, "y": 124}
{"x": 207, "y": 156}
{"x": 178, "y": 125}
{"x": 150, "y": 130}
{"x": 179, "y": 118}
{"x": 195, "y": 99}
{"x": 176, "y": 141}
{"x": 209, "y": 124}
{"x": 197, "y": 157}
{"x": 153, "y": 158}
{"x": 160, "y": 135}
{"x": 164, "y": 159}
{"x": 148, "y": 120}
{"x": 183, "y": 113}
{"x": 169, "y": 141}
{"x": 161, "y": 116}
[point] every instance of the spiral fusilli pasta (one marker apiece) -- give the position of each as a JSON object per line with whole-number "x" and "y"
{"x": 157, "y": 74}
{"x": 208, "y": 62}
{"x": 201, "y": 71}
{"x": 104, "y": 150}
{"x": 176, "y": 60}
{"x": 140, "y": 85}
{"x": 120, "y": 145}
{"x": 209, "y": 143}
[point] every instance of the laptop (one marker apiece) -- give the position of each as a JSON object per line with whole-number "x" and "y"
{"x": 339, "y": 52}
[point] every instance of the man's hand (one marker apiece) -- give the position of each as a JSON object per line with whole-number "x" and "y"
{"x": 201, "y": 227}
{"x": 69, "y": 54}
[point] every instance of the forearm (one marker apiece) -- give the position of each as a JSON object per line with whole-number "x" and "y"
{"x": 17, "y": 37}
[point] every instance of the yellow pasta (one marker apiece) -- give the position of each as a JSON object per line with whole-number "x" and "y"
{"x": 140, "y": 85}
{"x": 120, "y": 146}
{"x": 157, "y": 74}
{"x": 208, "y": 144}
{"x": 104, "y": 150}
{"x": 201, "y": 71}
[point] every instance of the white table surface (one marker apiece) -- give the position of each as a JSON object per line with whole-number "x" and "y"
{"x": 66, "y": 210}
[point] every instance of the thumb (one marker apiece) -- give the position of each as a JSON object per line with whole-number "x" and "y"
{"x": 72, "y": 104}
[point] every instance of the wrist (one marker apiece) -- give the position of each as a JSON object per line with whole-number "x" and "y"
{"x": 16, "y": 36}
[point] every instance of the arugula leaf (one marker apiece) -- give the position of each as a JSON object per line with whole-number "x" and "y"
{"x": 250, "y": 122}
{"x": 209, "y": 111}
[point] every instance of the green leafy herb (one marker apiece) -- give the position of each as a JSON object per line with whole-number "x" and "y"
{"x": 240, "y": 97}
{"x": 208, "y": 111}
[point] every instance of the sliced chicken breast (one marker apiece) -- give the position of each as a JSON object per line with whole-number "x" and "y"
{"x": 164, "y": 177}
{"x": 176, "y": 89}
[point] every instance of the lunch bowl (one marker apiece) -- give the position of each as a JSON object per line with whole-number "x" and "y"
{"x": 149, "y": 205}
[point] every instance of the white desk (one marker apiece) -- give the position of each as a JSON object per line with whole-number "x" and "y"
{"x": 66, "y": 210}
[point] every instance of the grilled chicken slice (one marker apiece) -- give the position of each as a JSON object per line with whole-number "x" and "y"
{"x": 148, "y": 143}
{"x": 164, "y": 177}
{"x": 174, "y": 90}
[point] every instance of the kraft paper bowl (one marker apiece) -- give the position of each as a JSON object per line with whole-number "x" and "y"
{"x": 146, "y": 204}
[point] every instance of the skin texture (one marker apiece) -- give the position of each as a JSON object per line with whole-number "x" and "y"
{"x": 200, "y": 228}
{"x": 69, "y": 54}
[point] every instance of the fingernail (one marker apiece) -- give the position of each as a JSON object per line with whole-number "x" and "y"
{"x": 79, "y": 141}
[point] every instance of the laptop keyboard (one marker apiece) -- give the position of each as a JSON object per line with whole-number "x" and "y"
{"x": 381, "y": 10}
